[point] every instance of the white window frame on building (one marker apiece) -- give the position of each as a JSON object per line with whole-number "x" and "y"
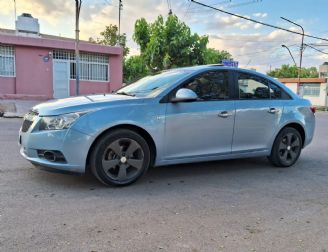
{"x": 7, "y": 61}
{"x": 93, "y": 66}
{"x": 311, "y": 89}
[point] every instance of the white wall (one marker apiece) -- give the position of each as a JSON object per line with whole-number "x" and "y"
{"x": 315, "y": 100}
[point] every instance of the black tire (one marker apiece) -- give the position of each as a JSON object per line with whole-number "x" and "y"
{"x": 286, "y": 148}
{"x": 120, "y": 157}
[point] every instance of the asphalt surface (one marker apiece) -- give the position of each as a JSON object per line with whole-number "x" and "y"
{"x": 237, "y": 205}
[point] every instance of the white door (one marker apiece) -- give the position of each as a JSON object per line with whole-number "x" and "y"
{"x": 61, "y": 79}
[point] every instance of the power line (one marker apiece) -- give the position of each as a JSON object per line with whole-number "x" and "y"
{"x": 226, "y": 5}
{"x": 258, "y": 22}
{"x": 316, "y": 49}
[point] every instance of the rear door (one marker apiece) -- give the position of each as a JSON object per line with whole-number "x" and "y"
{"x": 258, "y": 113}
{"x": 204, "y": 127}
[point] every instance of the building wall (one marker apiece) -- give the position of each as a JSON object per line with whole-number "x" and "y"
{"x": 90, "y": 87}
{"x": 318, "y": 100}
{"x": 315, "y": 100}
{"x": 292, "y": 86}
{"x": 7, "y": 85}
{"x": 323, "y": 71}
{"x": 116, "y": 72}
{"x": 33, "y": 75}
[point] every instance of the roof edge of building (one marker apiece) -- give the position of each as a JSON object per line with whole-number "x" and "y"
{"x": 57, "y": 43}
{"x": 303, "y": 80}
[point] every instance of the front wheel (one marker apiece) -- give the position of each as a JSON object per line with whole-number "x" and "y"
{"x": 120, "y": 157}
{"x": 286, "y": 148}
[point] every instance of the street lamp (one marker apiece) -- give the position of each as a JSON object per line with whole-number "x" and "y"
{"x": 301, "y": 49}
{"x": 291, "y": 55}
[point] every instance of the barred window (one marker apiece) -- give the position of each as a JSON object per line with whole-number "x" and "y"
{"x": 311, "y": 89}
{"x": 7, "y": 61}
{"x": 93, "y": 67}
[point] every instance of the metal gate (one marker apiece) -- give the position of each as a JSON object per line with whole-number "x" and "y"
{"x": 61, "y": 85}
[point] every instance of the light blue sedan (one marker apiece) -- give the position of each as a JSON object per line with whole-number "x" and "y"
{"x": 183, "y": 115}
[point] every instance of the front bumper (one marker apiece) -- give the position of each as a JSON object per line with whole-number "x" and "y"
{"x": 73, "y": 144}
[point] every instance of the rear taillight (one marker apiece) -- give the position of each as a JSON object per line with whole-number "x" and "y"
{"x": 313, "y": 109}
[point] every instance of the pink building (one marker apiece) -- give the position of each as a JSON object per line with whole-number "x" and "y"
{"x": 41, "y": 66}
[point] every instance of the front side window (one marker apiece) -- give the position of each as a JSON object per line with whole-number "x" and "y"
{"x": 212, "y": 85}
{"x": 252, "y": 87}
{"x": 7, "y": 61}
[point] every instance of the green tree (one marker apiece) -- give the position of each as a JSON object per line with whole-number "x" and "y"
{"x": 213, "y": 56}
{"x": 134, "y": 69}
{"x": 169, "y": 43}
{"x": 110, "y": 37}
{"x": 141, "y": 34}
{"x": 287, "y": 71}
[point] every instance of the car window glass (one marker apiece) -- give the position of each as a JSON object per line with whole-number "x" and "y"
{"x": 212, "y": 85}
{"x": 277, "y": 92}
{"x": 252, "y": 87}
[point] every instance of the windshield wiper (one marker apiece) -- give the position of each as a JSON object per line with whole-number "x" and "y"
{"x": 124, "y": 93}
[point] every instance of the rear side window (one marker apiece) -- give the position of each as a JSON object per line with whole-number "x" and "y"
{"x": 252, "y": 87}
{"x": 278, "y": 93}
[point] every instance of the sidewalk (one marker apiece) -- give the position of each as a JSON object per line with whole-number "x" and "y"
{"x": 16, "y": 108}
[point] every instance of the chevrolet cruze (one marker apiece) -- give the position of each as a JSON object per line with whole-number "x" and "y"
{"x": 183, "y": 115}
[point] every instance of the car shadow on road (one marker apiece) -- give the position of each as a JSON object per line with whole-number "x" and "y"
{"x": 193, "y": 173}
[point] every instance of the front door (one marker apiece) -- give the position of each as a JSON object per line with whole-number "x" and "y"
{"x": 61, "y": 79}
{"x": 201, "y": 128}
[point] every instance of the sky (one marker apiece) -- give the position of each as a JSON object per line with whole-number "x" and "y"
{"x": 252, "y": 45}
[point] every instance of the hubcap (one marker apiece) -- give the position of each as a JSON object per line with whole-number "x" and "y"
{"x": 289, "y": 148}
{"x": 123, "y": 159}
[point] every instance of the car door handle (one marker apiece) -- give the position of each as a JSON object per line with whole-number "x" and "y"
{"x": 224, "y": 114}
{"x": 273, "y": 110}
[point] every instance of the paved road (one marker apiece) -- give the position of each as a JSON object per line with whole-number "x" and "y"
{"x": 238, "y": 205}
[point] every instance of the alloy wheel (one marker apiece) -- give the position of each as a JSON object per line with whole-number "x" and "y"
{"x": 123, "y": 159}
{"x": 289, "y": 148}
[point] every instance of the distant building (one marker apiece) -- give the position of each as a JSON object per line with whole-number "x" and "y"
{"x": 313, "y": 89}
{"x": 323, "y": 70}
{"x": 43, "y": 66}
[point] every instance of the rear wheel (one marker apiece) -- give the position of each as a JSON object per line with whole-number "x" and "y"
{"x": 286, "y": 148}
{"x": 120, "y": 157}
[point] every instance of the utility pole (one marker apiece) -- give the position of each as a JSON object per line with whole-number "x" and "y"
{"x": 301, "y": 54}
{"x": 120, "y": 6}
{"x": 15, "y": 12}
{"x": 78, "y": 4}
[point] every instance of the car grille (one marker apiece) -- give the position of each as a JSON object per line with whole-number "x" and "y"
{"x": 28, "y": 120}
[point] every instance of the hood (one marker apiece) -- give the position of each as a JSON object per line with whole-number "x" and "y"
{"x": 82, "y": 103}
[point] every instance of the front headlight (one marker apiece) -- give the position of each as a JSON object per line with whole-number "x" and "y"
{"x": 58, "y": 122}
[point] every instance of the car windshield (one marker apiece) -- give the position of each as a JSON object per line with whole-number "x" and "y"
{"x": 150, "y": 85}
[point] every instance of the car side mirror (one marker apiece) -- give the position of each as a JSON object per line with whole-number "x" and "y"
{"x": 184, "y": 95}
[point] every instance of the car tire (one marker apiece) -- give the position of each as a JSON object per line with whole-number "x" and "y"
{"x": 120, "y": 157}
{"x": 286, "y": 148}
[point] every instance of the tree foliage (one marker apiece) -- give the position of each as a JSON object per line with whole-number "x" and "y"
{"x": 165, "y": 43}
{"x": 287, "y": 71}
{"x": 170, "y": 43}
{"x": 111, "y": 37}
{"x": 134, "y": 69}
{"x": 213, "y": 56}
